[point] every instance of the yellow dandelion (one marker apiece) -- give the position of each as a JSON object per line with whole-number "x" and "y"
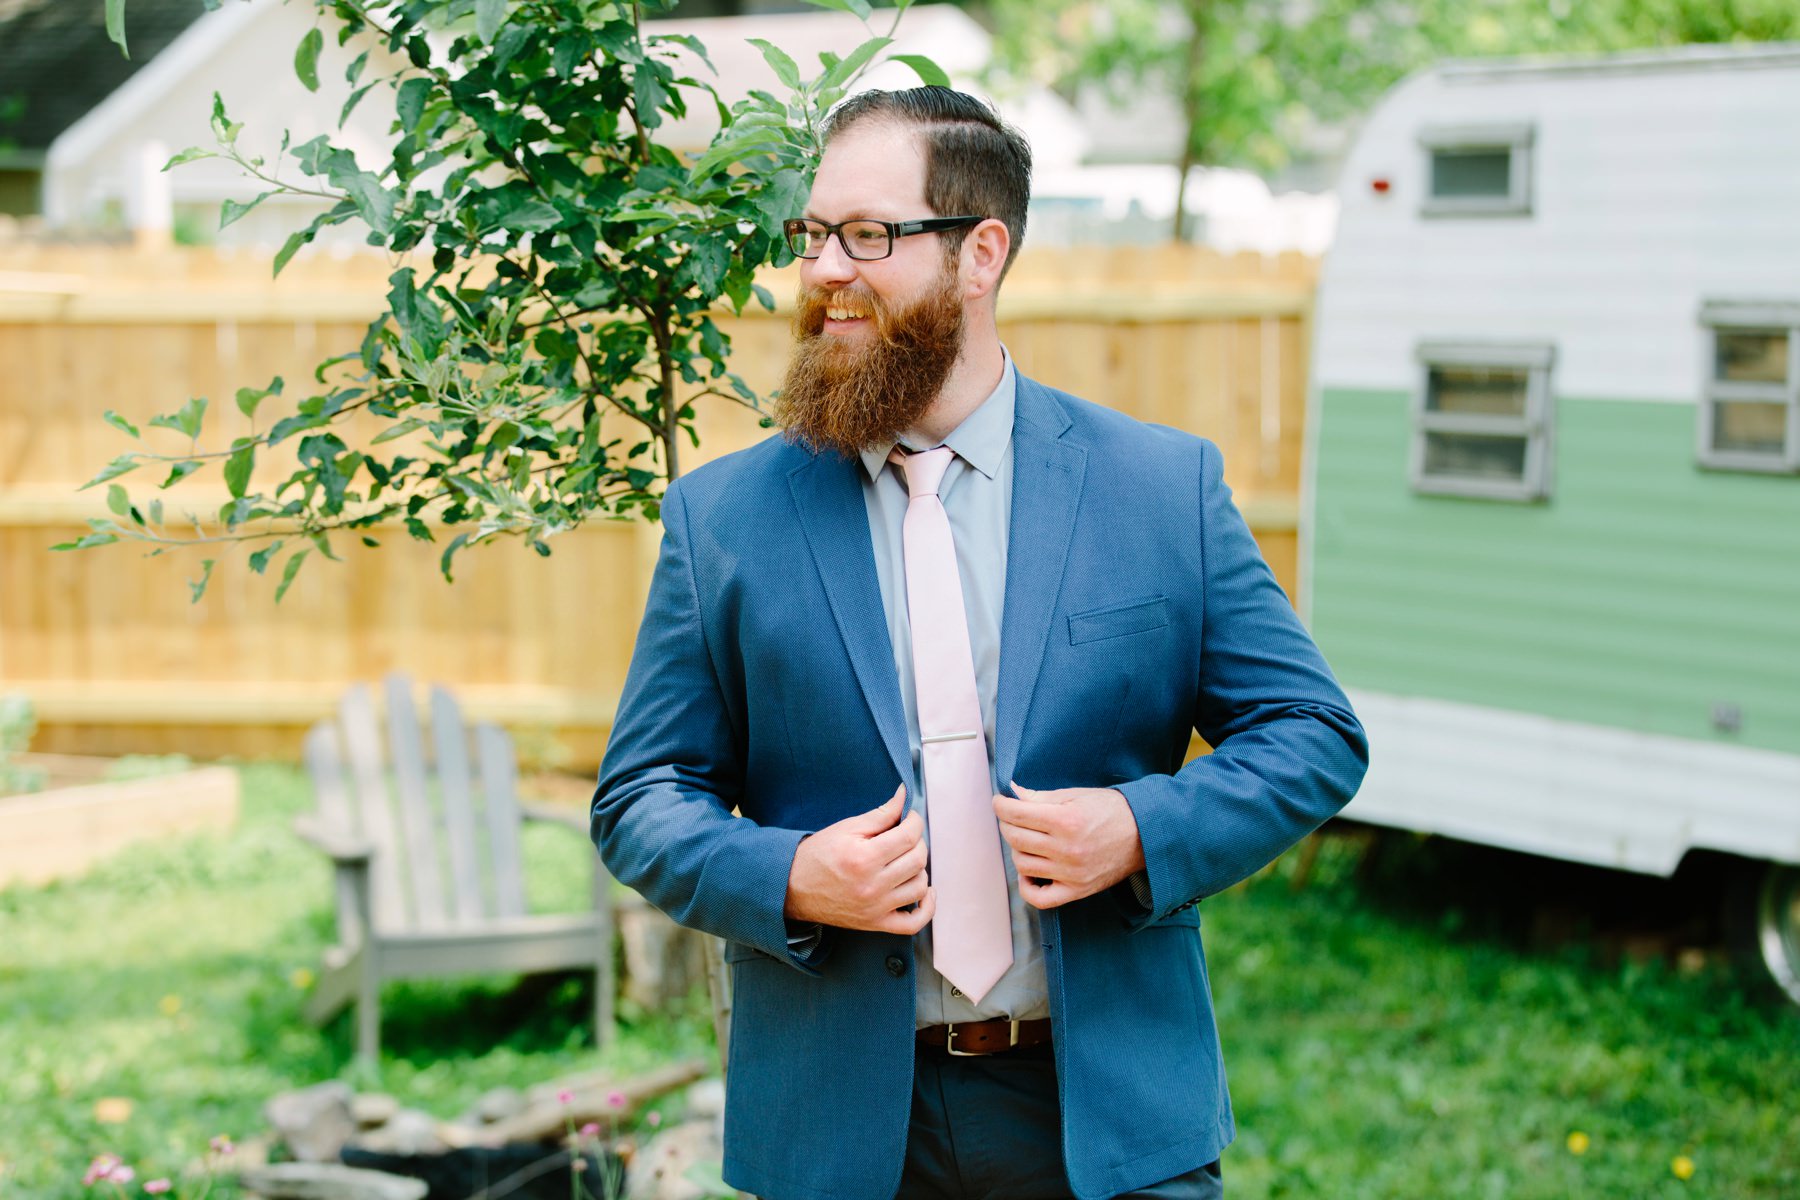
{"x": 1578, "y": 1142}
{"x": 301, "y": 978}
{"x": 170, "y": 1005}
{"x": 112, "y": 1110}
{"x": 1683, "y": 1166}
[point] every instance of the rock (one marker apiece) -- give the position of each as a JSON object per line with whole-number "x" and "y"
{"x": 663, "y": 961}
{"x": 315, "y": 1122}
{"x": 660, "y": 1169}
{"x": 369, "y": 1109}
{"x": 706, "y": 1098}
{"x": 408, "y": 1132}
{"x": 499, "y": 1104}
{"x": 329, "y": 1181}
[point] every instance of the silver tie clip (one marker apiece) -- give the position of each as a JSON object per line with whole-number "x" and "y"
{"x": 949, "y": 737}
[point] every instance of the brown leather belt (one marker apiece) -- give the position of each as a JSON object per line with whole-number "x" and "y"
{"x": 986, "y": 1037}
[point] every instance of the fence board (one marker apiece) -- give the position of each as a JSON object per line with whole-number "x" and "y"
{"x": 116, "y": 658}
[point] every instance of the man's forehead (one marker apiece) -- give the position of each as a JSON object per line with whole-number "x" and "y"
{"x": 874, "y": 169}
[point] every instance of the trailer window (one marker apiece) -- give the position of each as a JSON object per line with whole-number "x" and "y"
{"x": 1750, "y": 412}
{"x": 1481, "y": 422}
{"x": 1477, "y": 171}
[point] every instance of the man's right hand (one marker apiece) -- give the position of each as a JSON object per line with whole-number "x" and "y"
{"x": 861, "y": 872}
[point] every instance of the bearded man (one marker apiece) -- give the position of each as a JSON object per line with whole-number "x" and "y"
{"x": 1005, "y": 610}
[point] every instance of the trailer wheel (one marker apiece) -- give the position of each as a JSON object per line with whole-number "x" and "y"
{"x": 1777, "y": 916}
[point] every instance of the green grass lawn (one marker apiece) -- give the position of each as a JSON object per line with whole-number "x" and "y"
{"x": 1388, "y": 1033}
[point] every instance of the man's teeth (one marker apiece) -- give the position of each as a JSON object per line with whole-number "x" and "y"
{"x": 845, "y": 314}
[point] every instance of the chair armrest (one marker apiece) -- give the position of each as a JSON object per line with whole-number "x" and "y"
{"x": 553, "y": 814}
{"x": 342, "y": 846}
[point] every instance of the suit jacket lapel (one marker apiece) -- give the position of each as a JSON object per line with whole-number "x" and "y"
{"x": 1047, "y": 475}
{"x": 835, "y": 519}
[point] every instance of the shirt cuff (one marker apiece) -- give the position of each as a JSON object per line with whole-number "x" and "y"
{"x": 804, "y": 939}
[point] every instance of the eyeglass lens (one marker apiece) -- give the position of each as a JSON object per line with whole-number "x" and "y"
{"x": 860, "y": 239}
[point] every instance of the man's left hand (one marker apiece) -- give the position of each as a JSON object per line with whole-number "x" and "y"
{"x": 1069, "y": 843}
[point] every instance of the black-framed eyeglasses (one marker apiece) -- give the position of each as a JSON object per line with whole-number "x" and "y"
{"x": 864, "y": 239}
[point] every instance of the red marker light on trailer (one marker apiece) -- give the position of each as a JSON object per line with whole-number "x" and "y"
{"x": 1380, "y": 185}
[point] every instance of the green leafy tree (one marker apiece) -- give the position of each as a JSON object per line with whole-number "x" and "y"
{"x": 550, "y": 319}
{"x": 1252, "y": 76}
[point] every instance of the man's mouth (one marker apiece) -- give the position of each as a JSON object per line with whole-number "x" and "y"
{"x": 838, "y": 312}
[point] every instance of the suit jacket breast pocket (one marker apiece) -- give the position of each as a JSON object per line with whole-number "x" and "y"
{"x": 1119, "y": 620}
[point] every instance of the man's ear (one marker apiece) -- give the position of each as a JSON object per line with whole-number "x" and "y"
{"x": 984, "y": 253}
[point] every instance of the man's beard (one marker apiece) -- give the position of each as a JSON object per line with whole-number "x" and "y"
{"x": 847, "y": 395}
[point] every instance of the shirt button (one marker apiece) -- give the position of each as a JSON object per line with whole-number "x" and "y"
{"x": 957, "y": 992}
{"x": 896, "y": 965}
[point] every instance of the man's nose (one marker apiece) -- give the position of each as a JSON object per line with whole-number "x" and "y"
{"x": 833, "y": 267}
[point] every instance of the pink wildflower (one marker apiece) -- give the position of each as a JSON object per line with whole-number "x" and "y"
{"x": 591, "y": 1129}
{"x": 565, "y": 1097}
{"x": 102, "y": 1167}
{"x": 122, "y": 1175}
{"x": 654, "y": 1119}
{"x": 157, "y": 1187}
{"x": 221, "y": 1144}
{"x": 615, "y": 1099}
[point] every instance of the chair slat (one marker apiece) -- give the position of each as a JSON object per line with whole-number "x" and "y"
{"x": 374, "y": 812}
{"x": 418, "y": 821}
{"x": 325, "y": 767}
{"x": 452, "y": 742}
{"x": 499, "y": 788}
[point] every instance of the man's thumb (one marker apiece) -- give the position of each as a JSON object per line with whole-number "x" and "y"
{"x": 884, "y": 815}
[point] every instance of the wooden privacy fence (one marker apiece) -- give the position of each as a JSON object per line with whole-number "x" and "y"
{"x": 116, "y": 658}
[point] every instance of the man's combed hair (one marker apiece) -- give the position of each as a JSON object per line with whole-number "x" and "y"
{"x": 975, "y": 163}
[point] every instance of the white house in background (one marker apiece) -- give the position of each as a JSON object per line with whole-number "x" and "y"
{"x": 107, "y": 165}
{"x": 105, "y": 168}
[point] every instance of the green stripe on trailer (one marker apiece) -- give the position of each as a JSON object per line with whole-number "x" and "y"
{"x": 1644, "y": 593}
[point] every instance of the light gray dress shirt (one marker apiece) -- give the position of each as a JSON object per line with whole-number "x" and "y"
{"x": 977, "y": 495}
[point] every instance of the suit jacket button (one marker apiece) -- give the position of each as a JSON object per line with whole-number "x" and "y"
{"x": 896, "y": 965}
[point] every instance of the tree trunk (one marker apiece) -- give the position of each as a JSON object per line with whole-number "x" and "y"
{"x": 1191, "y": 111}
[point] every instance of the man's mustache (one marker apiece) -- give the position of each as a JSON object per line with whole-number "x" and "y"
{"x": 809, "y": 320}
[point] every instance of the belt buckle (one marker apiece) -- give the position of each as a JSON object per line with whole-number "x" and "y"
{"x": 1012, "y": 1039}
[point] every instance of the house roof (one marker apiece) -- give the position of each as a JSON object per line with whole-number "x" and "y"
{"x": 56, "y": 62}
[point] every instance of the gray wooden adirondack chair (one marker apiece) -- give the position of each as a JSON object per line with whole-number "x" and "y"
{"x": 425, "y": 838}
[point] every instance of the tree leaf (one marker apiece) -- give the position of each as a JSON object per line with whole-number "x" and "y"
{"x": 409, "y": 101}
{"x": 112, "y": 470}
{"x": 929, "y": 72}
{"x": 239, "y": 465}
{"x": 288, "y": 572}
{"x": 189, "y": 155}
{"x": 489, "y": 15}
{"x": 777, "y": 58}
{"x": 352, "y": 102}
{"x": 198, "y": 586}
{"x": 91, "y": 540}
{"x": 259, "y": 560}
{"x": 858, "y": 8}
{"x": 115, "y": 24}
{"x": 186, "y": 420}
{"x": 295, "y": 240}
{"x": 118, "y": 422}
{"x": 529, "y": 217}
{"x": 117, "y": 500}
{"x": 838, "y": 74}
{"x": 231, "y": 210}
{"x": 179, "y": 472}
{"x": 306, "y": 58}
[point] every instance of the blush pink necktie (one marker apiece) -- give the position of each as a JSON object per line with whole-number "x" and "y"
{"x": 971, "y": 933}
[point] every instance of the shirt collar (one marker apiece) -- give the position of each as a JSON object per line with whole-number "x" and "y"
{"x": 981, "y": 439}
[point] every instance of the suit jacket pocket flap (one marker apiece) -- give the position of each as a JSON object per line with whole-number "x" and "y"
{"x": 1134, "y": 616}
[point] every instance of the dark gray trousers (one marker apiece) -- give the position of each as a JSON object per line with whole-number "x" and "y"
{"x": 990, "y": 1128}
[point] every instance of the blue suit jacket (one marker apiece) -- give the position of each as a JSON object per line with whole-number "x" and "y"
{"x": 1137, "y": 609}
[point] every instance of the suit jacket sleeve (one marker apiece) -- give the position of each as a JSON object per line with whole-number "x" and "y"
{"x": 662, "y": 814}
{"x": 1287, "y": 750}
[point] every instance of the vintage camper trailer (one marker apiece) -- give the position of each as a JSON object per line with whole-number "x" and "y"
{"x": 1553, "y": 474}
